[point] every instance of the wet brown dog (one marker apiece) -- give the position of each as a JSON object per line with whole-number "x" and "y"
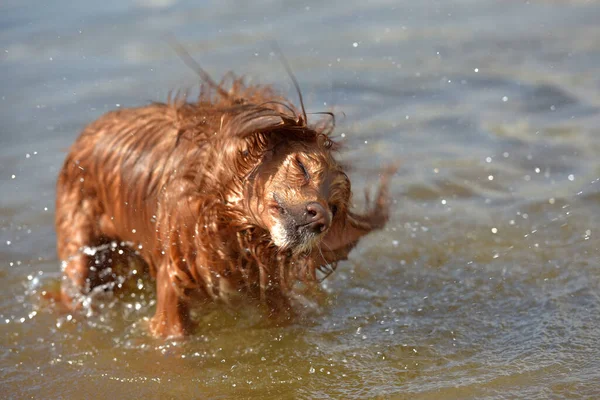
{"x": 234, "y": 193}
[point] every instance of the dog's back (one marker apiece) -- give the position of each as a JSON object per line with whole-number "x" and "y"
{"x": 113, "y": 172}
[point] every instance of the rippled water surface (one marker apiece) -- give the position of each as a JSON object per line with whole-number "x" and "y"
{"x": 485, "y": 283}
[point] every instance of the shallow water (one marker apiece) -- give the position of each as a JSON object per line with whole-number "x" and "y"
{"x": 485, "y": 283}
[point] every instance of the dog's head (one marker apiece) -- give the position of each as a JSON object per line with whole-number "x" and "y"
{"x": 291, "y": 184}
{"x": 298, "y": 193}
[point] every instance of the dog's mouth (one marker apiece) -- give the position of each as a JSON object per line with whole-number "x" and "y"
{"x": 298, "y": 240}
{"x": 298, "y": 227}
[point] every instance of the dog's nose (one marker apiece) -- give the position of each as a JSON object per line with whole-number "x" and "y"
{"x": 317, "y": 217}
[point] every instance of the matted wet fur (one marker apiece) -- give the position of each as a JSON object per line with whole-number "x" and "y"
{"x": 234, "y": 193}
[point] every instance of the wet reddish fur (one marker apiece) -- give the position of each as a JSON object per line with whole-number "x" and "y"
{"x": 161, "y": 176}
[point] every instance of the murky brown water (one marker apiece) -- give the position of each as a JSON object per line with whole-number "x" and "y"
{"x": 486, "y": 283}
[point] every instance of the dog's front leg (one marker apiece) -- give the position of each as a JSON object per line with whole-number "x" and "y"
{"x": 172, "y": 314}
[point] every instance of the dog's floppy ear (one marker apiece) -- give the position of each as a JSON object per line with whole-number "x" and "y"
{"x": 345, "y": 232}
{"x": 252, "y": 131}
{"x": 246, "y": 133}
{"x": 258, "y": 120}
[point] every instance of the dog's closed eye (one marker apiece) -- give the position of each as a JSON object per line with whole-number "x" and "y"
{"x": 303, "y": 169}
